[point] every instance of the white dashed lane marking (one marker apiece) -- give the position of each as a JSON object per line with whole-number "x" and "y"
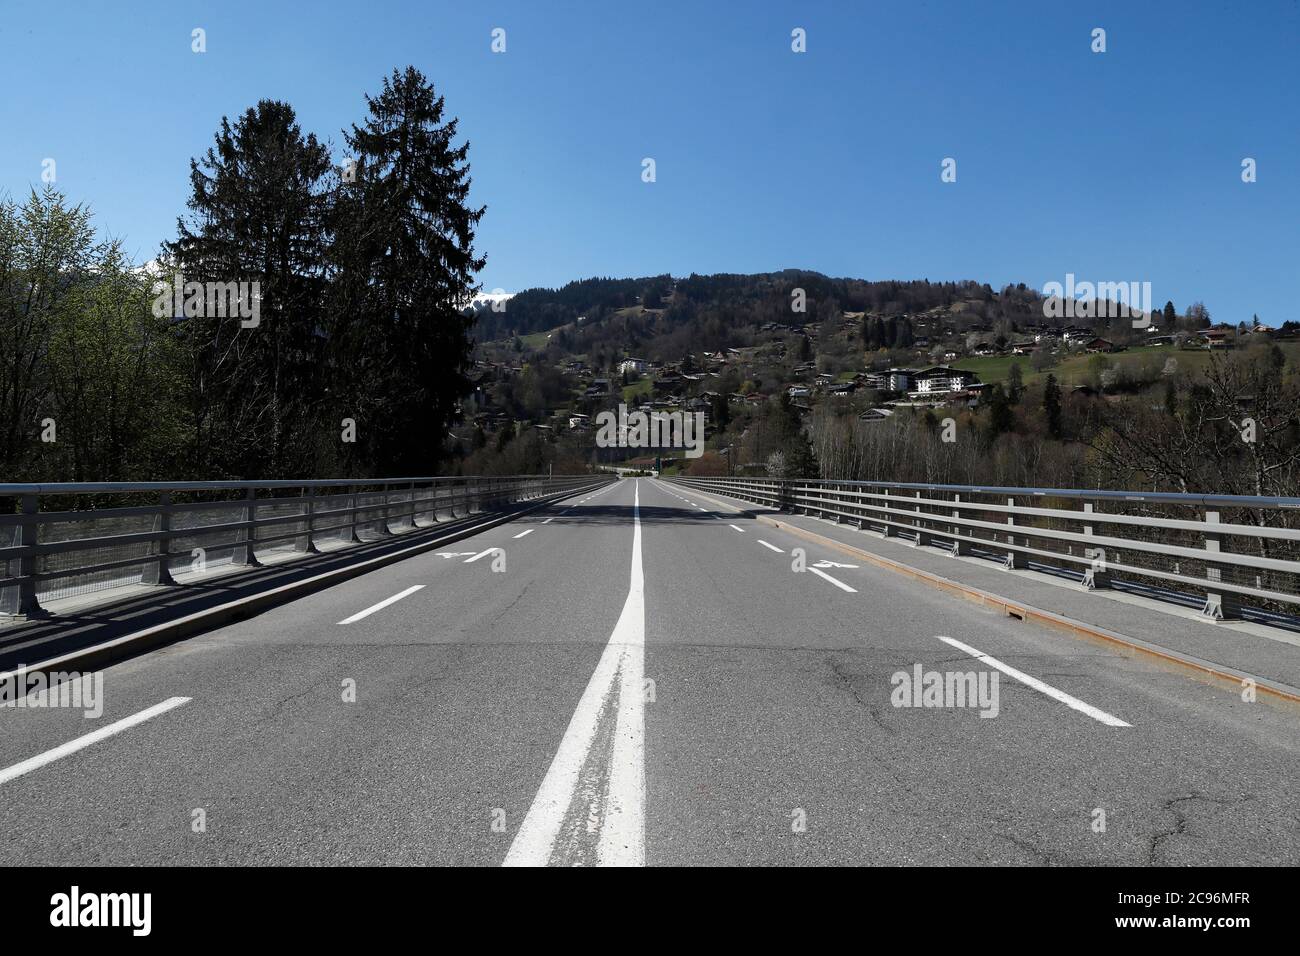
{"x": 1072, "y": 702}
{"x": 383, "y": 604}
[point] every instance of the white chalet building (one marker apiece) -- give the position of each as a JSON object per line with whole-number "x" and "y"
{"x": 941, "y": 378}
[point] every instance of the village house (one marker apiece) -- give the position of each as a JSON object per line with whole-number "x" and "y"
{"x": 943, "y": 378}
{"x": 899, "y": 379}
{"x": 1217, "y": 338}
{"x": 875, "y": 415}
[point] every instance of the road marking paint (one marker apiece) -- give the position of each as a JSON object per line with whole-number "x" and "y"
{"x": 383, "y": 604}
{"x": 741, "y": 530}
{"x": 839, "y": 584}
{"x": 618, "y": 676}
{"x": 548, "y": 521}
{"x": 481, "y": 554}
{"x": 72, "y": 746}
{"x": 522, "y": 533}
{"x": 771, "y": 546}
{"x": 1072, "y": 702}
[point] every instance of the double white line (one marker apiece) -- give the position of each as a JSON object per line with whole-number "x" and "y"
{"x": 619, "y": 810}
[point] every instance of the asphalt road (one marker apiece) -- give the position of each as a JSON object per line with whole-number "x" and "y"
{"x": 640, "y": 676}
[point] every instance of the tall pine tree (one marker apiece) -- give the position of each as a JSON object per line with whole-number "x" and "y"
{"x": 405, "y": 256}
{"x": 258, "y": 213}
{"x": 1052, "y": 405}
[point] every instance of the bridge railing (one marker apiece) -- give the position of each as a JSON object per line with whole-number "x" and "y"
{"x": 1217, "y": 551}
{"x": 70, "y": 539}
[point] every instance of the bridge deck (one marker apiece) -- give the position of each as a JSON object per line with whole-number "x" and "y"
{"x": 768, "y": 735}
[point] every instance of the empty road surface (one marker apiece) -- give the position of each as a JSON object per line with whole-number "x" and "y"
{"x": 638, "y": 675}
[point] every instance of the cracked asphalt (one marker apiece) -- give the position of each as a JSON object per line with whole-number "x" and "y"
{"x": 771, "y": 734}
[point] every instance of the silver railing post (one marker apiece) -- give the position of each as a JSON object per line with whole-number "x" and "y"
{"x": 306, "y": 544}
{"x": 1096, "y": 575}
{"x": 28, "y": 605}
{"x": 960, "y": 546}
{"x": 248, "y": 541}
{"x": 159, "y": 570}
{"x": 1220, "y": 605}
{"x": 352, "y": 537}
{"x": 890, "y": 530}
{"x": 1015, "y": 559}
{"x": 922, "y": 534}
{"x": 383, "y": 518}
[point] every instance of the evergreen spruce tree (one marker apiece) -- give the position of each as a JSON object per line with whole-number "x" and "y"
{"x": 406, "y": 266}
{"x": 1052, "y": 406}
{"x": 258, "y": 213}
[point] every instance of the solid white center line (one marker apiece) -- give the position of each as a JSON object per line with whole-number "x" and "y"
{"x": 72, "y": 746}
{"x": 1072, "y": 702}
{"x": 741, "y": 530}
{"x": 522, "y": 533}
{"x": 617, "y": 679}
{"x": 771, "y": 546}
{"x": 839, "y": 584}
{"x": 383, "y": 604}
{"x": 481, "y": 554}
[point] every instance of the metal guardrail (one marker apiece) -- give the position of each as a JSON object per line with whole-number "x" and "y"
{"x": 1224, "y": 548}
{"x": 50, "y": 554}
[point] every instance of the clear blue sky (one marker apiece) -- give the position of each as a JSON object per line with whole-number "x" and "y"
{"x": 1117, "y": 166}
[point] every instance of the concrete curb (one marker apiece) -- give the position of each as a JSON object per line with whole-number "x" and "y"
{"x": 1028, "y": 612}
{"x": 108, "y": 652}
